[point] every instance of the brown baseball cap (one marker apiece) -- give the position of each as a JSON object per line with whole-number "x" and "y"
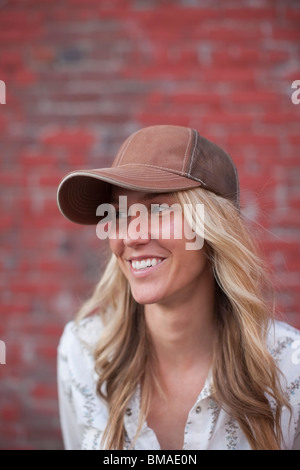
{"x": 154, "y": 159}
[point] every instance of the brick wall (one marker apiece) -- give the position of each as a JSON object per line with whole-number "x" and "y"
{"x": 82, "y": 75}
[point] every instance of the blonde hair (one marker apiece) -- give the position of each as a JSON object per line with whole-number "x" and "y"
{"x": 244, "y": 373}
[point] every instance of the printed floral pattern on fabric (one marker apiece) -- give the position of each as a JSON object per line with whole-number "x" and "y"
{"x": 215, "y": 411}
{"x": 296, "y": 354}
{"x": 231, "y": 430}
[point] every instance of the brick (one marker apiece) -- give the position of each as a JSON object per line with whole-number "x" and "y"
{"x": 293, "y": 14}
{"x": 15, "y": 36}
{"x": 11, "y": 413}
{"x": 225, "y": 34}
{"x": 3, "y": 122}
{"x": 254, "y": 140}
{"x": 176, "y": 19}
{"x": 151, "y": 119}
{"x": 69, "y": 138}
{"x": 42, "y": 391}
{"x": 294, "y": 139}
{"x": 252, "y": 13}
{"x": 43, "y": 54}
{"x": 254, "y": 97}
{"x": 240, "y": 55}
{"x": 37, "y": 287}
{"x": 277, "y": 56}
{"x": 36, "y": 160}
{"x": 13, "y": 179}
{"x": 230, "y": 74}
{"x": 282, "y": 118}
{"x": 227, "y": 118}
{"x": 24, "y": 77}
{"x": 193, "y": 98}
{"x": 55, "y": 266}
{"x": 51, "y": 180}
{"x": 6, "y": 222}
{"x": 47, "y": 352}
{"x": 290, "y": 34}
{"x": 11, "y": 59}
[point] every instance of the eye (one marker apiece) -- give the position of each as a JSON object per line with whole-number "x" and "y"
{"x": 159, "y": 208}
{"x": 121, "y": 215}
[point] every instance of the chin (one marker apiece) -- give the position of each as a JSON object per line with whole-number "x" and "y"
{"x": 145, "y": 299}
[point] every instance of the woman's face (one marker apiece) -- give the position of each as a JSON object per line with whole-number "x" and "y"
{"x": 154, "y": 256}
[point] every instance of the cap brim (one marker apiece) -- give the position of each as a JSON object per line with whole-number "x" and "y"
{"x": 81, "y": 192}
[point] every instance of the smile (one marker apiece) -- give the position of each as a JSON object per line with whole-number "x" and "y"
{"x": 137, "y": 265}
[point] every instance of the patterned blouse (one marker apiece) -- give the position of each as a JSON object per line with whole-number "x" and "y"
{"x": 84, "y": 414}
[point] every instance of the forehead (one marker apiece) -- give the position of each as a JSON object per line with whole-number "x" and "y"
{"x": 139, "y": 196}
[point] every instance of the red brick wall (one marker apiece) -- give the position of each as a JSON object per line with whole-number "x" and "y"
{"x": 82, "y": 75}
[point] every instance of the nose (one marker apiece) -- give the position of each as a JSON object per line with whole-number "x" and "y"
{"x": 137, "y": 232}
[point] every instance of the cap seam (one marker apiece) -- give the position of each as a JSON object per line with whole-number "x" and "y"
{"x": 119, "y": 159}
{"x": 192, "y": 159}
{"x": 186, "y": 150}
{"x": 236, "y": 177}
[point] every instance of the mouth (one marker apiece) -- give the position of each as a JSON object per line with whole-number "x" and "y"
{"x": 145, "y": 264}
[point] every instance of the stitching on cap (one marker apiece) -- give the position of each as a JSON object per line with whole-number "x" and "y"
{"x": 191, "y": 162}
{"x": 125, "y": 148}
{"x": 192, "y": 159}
{"x": 236, "y": 176}
{"x": 185, "y": 155}
{"x": 171, "y": 170}
{"x": 154, "y": 166}
{"x": 238, "y": 184}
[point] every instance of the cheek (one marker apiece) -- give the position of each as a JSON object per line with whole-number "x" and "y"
{"x": 169, "y": 226}
{"x": 116, "y": 247}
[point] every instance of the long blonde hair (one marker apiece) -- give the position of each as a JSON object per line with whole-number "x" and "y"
{"x": 243, "y": 370}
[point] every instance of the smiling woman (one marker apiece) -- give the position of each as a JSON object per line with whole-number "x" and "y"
{"x": 177, "y": 348}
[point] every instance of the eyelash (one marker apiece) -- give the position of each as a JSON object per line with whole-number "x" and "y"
{"x": 121, "y": 215}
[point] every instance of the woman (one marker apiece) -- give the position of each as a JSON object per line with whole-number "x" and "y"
{"x": 176, "y": 348}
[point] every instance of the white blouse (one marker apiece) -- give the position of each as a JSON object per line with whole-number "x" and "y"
{"x": 84, "y": 414}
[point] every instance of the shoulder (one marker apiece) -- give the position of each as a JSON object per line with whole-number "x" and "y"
{"x": 284, "y": 345}
{"x": 76, "y": 349}
{"x": 76, "y": 373}
{"x": 284, "y": 342}
{"x": 83, "y": 335}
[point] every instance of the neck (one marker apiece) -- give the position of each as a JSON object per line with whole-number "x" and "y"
{"x": 182, "y": 332}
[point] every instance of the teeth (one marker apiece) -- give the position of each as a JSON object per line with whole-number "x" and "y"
{"x": 145, "y": 263}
